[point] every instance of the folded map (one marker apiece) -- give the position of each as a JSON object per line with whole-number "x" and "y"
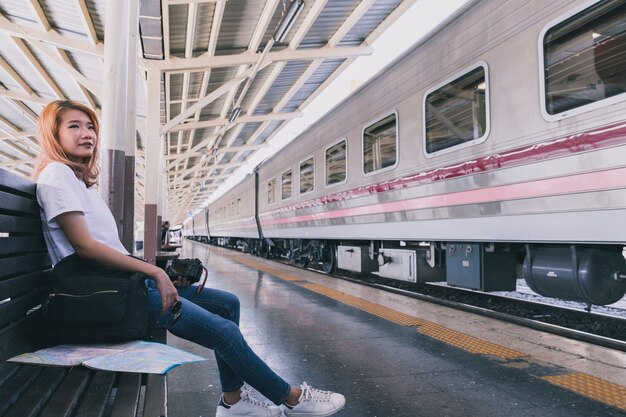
{"x": 134, "y": 356}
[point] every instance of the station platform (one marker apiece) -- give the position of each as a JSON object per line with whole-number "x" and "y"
{"x": 392, "y": 355}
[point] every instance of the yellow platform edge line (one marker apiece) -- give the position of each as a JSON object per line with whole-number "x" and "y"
{"x": 468, "y": 343}
{"x": 367, "y": 306}
{"x": 592, "y": 387}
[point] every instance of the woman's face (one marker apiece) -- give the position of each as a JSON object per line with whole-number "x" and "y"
{"x": 76, "y": 135}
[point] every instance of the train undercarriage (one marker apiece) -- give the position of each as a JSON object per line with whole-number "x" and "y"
{"x": 592, "y": 274}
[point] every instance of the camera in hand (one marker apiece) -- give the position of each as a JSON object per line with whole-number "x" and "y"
{"x": 185, "y": 272}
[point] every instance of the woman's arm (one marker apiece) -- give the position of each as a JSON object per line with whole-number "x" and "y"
{"x": 75, "y": 228}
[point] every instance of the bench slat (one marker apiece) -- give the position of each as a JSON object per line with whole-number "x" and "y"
{"x": 22, "y": 244}
{"x": 155, "y": 404}
{"x": 38, "y": 393}
{"x": 127, "y": 397}
{"x": 14, "y": 339}
{"x": 13, "y": 287}
{"x": 16, "y": 309}
{"x": 97, "y": 395}
{"x": 23, "y": 264}
{"x": 27, "y": 207}
{"x": 66, "y": 397}
{"x": 7, "y": 370}
{"x": 9, "y": 180}
{"x": 14, "y": 224}
{"x": 12, "y": 389}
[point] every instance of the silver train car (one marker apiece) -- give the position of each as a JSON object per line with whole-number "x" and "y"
{"x": 492, "y": 150}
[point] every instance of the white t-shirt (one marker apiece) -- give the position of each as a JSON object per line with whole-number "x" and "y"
{"x": 58, "y": 192}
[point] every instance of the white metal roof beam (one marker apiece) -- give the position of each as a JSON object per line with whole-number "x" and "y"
{"x": 203, "y": 102}
{"x": 45, "y": 25}
{"x": 202, "y": 62}
{"x": 21, "y": 134}
{"x": 87, "y": 22}
{"x": 336, "y": 38}
{"x": 15, "y": 98}
{"x": 170, "y": 2}
{"x": 93, "y": 88}
{"x": 51, "y": 37}
{"x": 201, "y": 167}
{"x": 230, "y": 149}
{"x": 15, "y": 163}
{"x": 241, "y": 119}
{"x": 253, "y": 46}
{"x": 341, "y": 32}
{"x": 306, "y": 25}
{"x": 213, "y": 37}
{"x": 32, "y": 60}
{"x": 17, "y": 78}
{"x": 189, "y": 39}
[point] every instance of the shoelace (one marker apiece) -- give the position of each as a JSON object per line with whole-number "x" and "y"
{"x": 309, "y": 393}
{"x": 246, "y": 396}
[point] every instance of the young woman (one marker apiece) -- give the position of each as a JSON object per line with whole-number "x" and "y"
{"x": 76, "y": 220}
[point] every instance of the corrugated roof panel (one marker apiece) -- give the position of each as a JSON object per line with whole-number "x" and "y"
{"x": 240, "y": 20}
{"x": 15, "y": 11}
{"x": 64, "y": 17}
{"x": 268, "y": 132}
{"x": 246, "y": 132}
{"x": 97, "y": 11}
{"x": 374, "y": 16}
{"x": 59, "y": 75}
{"x": 312, "y": 84}
{"x": 332, "y": 17}
{"x": 178, "y": 29}
{"x": 14, "y": 116}
{"x": 18, "y": 62}
{"x": 204, "y": 23}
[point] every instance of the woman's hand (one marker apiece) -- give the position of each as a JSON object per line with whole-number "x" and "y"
{"x": 169, "y": 294}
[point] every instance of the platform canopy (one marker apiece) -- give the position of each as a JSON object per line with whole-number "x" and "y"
{"x": 231, "y": 72}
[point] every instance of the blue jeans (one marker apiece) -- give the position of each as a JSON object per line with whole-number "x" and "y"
{"x": 211, "y": 319}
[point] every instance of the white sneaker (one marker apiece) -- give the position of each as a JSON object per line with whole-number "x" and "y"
{"x": 247, "y": 406}
{"x": 315, "y": 403}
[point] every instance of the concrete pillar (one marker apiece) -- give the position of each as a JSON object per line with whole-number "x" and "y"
{"x": 153, "y": 155}
{"x": 120, "y": 45}
{"x": 128, "y": 226}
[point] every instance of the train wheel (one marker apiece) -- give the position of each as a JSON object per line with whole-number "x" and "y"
{"x": 329, "y": 257}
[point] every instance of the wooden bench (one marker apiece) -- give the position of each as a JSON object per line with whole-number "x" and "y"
{"x": 25, "y": 274}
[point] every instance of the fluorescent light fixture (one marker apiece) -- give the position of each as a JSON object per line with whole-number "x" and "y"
{"x": 287, "y": 19}
{"x": 234, "y": 114}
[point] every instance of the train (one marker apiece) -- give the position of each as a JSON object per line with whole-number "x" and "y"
{"x": 493, "y": 150}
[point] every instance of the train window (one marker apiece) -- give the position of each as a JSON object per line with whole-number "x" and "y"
{"x": 271, "y": 191}
{"x": 285, "y": 191}
{"x": 584, "y": 60}
{"x": 456, "y": 113}
{"x": 336, "y": 167}
{"x": 380, "y": 146}
{"x": 307, "y": 176}
{"x": 239, "y": 206}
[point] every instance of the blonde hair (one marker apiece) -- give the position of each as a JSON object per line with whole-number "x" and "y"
{"x": 51, "y": 151}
